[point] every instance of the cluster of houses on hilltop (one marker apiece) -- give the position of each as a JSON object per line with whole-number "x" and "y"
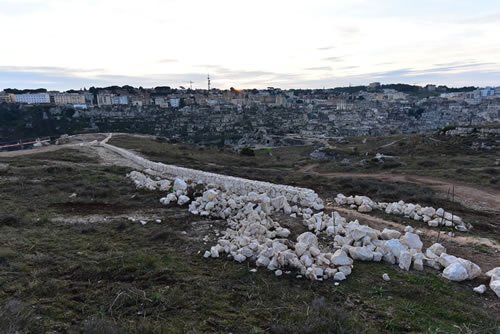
{"x": 173, "y": 98}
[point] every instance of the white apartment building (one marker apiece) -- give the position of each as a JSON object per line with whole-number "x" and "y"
{"x": 32, "y": 98}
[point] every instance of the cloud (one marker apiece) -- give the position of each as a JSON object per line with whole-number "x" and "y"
{"x": 484, "y": 19}
{"x": 321, "y": 68}
{"x": 21, "y": 8}
{"x": 348, "y": 67}
{"x": 334, "y": 59}
{"x": 326, "y": 48}
{"x": 49, "y": 69}
{"x": 167, "y": 61}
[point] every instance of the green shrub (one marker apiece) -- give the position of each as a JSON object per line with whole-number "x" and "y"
{"x": 247, "y": 151}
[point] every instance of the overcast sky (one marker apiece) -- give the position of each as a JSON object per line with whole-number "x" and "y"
{"x": 62, "y": 44}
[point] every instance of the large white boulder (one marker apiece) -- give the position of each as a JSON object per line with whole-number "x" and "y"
{"x": 494, "y": 273}
{"x": 364, "y": 208}
{"x": 473, "y": 270}
{"x": 340, "y": 258}
{"x": 180, "y": 184}
{"x": 361, "y": 253}
{"x": 394, "y": 246}
{"x": 339, "y": 276}
{"x": 341, "y": 199}
{"x": 183, "y": 199}
{"x": 209, "y": 195}
{"x": 495, "y": 286}
{"x": 455, "y": 272}
{"x": 446, "y": 259}
{"x": 308, "y": 238}
{"x": 404, "y": 260}
{"x": 412, "y": 240}
{"x": 300, "y": 248}
{"x": 428, "y": 211}
{"x": 437, "y": 249}
{"x": 388, "y": 234}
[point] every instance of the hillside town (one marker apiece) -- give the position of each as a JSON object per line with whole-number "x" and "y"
{"x": 268, "y": 117}
{"x": 166, "y": 97}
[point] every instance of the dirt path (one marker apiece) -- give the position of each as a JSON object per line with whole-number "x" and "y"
{"x": 470, "y": 195}
{"x": 44, "y": 149}
{"x": 462, "y": 245}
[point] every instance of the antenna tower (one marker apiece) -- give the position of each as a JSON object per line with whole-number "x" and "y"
{"x": 208, "y": 81}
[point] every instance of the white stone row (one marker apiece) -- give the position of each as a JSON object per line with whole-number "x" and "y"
{"x": 429, "y": 215}
{"x": 302, "y": 196}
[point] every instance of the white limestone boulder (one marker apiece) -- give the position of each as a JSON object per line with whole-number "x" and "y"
{"x": 437, "y": 249}
{"x": 308, "y": 238}
{"x": 361, "y": 253}
{"x": 340, "y": 258}
{"x": 364, "y": 208}
{"x": 455, "y": 272}
{"x": 180, "y": 185}
{"x": 412, "y": 240}
{"x": 183, "y": 199}
{"x": 388, "y": 234}
{"x": 480, "y": 289}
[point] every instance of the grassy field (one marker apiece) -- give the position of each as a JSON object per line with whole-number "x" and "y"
{"x": 112, "y": 275}
{"x": 454, "y": 158}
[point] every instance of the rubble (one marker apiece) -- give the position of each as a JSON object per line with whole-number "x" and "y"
{"x": 429, "y": 215}
{"x": 252, "y": 234}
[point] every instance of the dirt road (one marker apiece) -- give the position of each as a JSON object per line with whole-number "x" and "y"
{"x": 469, "y": 195}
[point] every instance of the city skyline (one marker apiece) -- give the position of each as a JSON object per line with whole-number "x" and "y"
{"x": 288, "y": 44}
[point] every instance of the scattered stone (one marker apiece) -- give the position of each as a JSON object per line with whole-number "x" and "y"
{"x": 455, "y": 272}
{"x": 339, "y": 276}
{"x": 388, "y": 234}
{"x": 386, "y": 277}
{"x": 183, "y": 199}
{"x": 480, "y": 289}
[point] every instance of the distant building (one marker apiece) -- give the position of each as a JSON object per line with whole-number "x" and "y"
{"x": 488, "y": 91}
{"x": 175, "y": 102}
{"x": 6, "y": 98}
{"x": 122, "y": 99}
{"x": 37, "y": 98}
{"x": 71, "y": 98}
{"x": 374, "y": 85}
{"x": 159, "y": 100}
{"x": 104, "y": 99}
{"x": 89, "y": 98}
{"x": 431, "y": 88}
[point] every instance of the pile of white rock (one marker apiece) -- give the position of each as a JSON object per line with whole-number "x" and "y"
{"x": 429, "y": 215}
{"x": 143, "y": 181}
{"x": 253, "y": 235}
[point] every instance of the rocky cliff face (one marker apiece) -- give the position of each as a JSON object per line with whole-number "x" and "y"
{"x": 221, "y": 124}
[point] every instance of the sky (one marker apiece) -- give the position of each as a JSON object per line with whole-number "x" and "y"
{"x": 72, "y": 44}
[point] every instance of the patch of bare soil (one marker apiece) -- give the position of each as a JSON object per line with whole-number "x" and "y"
{"x": 92, "y": 208}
